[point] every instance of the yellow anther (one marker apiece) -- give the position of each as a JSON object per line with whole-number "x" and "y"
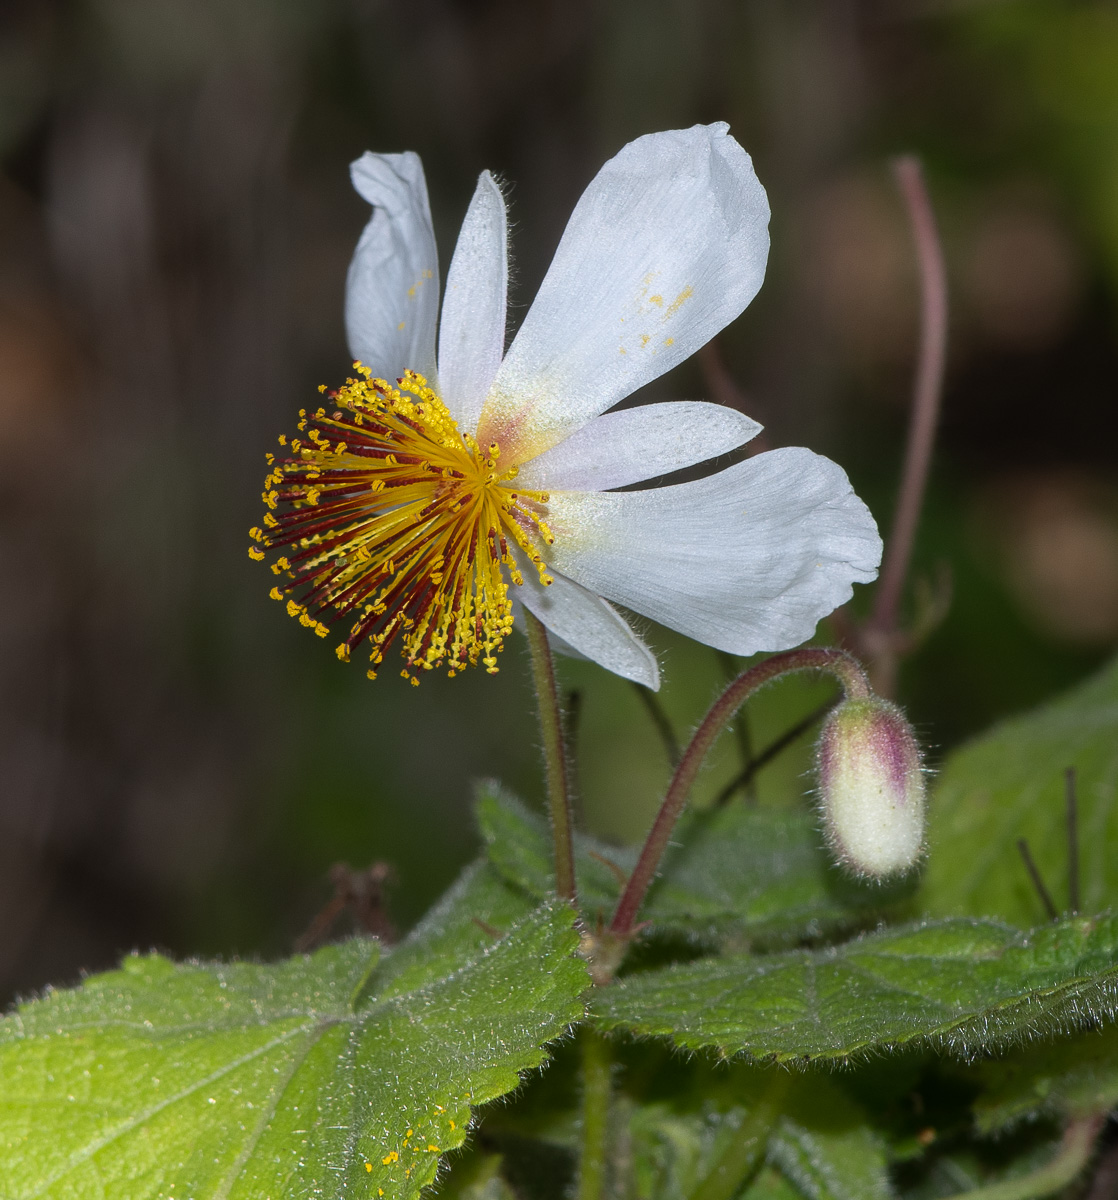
{"x": 276, "y": 594}
{"x": 403, "y": 527}
{"x": 391, "y": 1157}
{"x": 255, "y": 554}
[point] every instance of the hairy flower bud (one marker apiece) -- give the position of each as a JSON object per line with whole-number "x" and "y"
{"x": 872, "y": 787}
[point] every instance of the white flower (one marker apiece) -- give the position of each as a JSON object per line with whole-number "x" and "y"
{"x": 666, "y": 246}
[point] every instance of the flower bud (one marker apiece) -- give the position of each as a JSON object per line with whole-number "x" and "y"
{"x": 872, "y": 787}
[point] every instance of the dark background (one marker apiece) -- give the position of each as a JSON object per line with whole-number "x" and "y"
{"x": 179, "y": 762}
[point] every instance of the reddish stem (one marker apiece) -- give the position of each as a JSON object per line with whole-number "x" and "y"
{"x": 927, "y": 391}
{"x": 840, "y": 664}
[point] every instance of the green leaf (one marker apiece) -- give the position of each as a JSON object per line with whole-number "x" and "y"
{"x": 771, "y": 1185}
{"x": 1009, "y": 784}
{"x": 313, "y": 1077}
{"x": 960, "y": 984}
{"x": 1069, "y": 1078}
{"x": 672, "y": 1151}
{"x": 821, "y": 1144}
{"x": 825, "y": 1146}
{"x": 479, "y": 908}
{"x": 760, "y": 873}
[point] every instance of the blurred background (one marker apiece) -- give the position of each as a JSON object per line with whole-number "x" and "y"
{"x": 180, "y": 763}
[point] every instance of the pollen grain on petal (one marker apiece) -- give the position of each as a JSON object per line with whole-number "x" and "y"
{"x": 678, "y": 302}
{"x": 391, "y": 521}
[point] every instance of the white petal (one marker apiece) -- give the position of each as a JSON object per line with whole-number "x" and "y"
{"x": 745, "y": 560}
{"x": 589, "y": 625}
{"x": 666, "y": 246}
{"x": 392, "y": 289}
{"x": 472, "y": 332}
{"x": 558, "y": 646}
{"x": 632, "y": 444}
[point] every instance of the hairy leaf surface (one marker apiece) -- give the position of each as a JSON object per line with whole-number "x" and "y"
{"x": 760, "y": 873}
{"x": 318, "y": 1076}
{"x": 822, "y": 1145}
{"x": 825, "y": 1145}
{"x": 1008, "y": 784}
{"x": 959, "y": 984}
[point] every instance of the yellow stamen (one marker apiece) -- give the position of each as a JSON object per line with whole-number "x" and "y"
{"x": 390, "y": 516}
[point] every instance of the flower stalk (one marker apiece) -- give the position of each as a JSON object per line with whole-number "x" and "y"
{"x": 855, "y": 685}
{"x": 596, "y": 1083}
{"x": 555, "y": 757}
{"x": 880, "y": 635}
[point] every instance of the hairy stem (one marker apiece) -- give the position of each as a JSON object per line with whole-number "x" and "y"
{"x": 927, "y": 392}
{"x": 840, "y": 664}
{"x": 555, "y": 757}
{"x": 596, "y": 1064}
{"x": 1069, "y": 1162}
{"x": 745, "y": 1153}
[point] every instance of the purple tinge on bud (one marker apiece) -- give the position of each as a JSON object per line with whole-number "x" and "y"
{"x": 872, "y": 787}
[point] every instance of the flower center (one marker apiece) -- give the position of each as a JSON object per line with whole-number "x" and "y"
{"x": 391, "y": 517}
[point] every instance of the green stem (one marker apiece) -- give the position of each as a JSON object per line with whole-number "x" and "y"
{"x": 1067, "y": 1165}
{"x": 555, "y": 756}
{"x": 745, "y": 1153}
{"x": 596, "y": 1064}
{"x": 840, "y": 664}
